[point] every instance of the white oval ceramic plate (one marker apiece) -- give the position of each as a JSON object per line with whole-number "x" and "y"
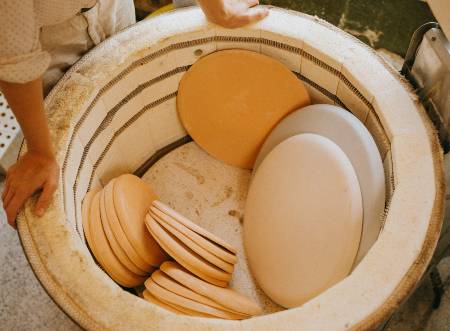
{"x": 303, "y": 219}
{"x": 355, "y": 140}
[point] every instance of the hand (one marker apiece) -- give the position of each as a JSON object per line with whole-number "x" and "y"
{"x": 232, "y": 13}
{"x": 33, "y": 172}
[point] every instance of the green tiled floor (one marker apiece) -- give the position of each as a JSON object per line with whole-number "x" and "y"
{"x": 385, "y": 24}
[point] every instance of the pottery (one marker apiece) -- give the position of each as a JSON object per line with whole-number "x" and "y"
{"x": 102, "y": 251}
{"x": 211, "y": 258}
{"x": 202, "y": 241}
{"x": 303, "y": 217}
{"x": 163, "y": 294}
{"x": 86, "y": 211}
{"x": 223, "y": 296}
{"x": 150, "y": 298}
{"x": 194, "y": 227}
{"x": 175, "y": 308}
{"x": 180, "y": 252}
{"x": 357, "y": 143}
{"x": 118, "y": 232}
{"x": 113, "y": 243}
{"x": 132, "y": 199}
{"x": 230, "y": 100}
{"x": 171, "y": 285}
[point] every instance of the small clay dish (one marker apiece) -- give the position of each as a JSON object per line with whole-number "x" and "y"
{"x": 113, "y": 243}
{"x": 118, "y": 232}
{"x": 102, "y": 251}
{"x": 150, "y": 298}
{"x": 211, "y": 258}
{"x": 194, "y": 227}
{"x": 225, "y": 297}
{"x": 180, "y": 252}
{"x": 86, "y": 212}
{"x": 173, "y": 286}
{"x": 162, "y": 294}
{"x": 132, "y": 199}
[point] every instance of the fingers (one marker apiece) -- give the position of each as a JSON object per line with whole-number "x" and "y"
{"x": 253, "y": 15}
{"x": 9, "y": 195}
{"x": 13, "y": 208}
{"x": 45, "y": 198}
{"x": 6, "y": 189}
{"x": 252, "y": 3}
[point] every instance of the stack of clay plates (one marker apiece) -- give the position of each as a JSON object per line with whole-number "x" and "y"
{"x": 113, "y": 222}
{"x": 199, "y": 251}
{"x": 174, "y": 288}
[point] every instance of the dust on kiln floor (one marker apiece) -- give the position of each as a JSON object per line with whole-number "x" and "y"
{"x": 212, "y": 194}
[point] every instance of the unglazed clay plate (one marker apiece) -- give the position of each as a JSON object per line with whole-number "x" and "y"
{"x": 185, "y": 256}
{"x": 230, "y": 100}
{"x": 113, "y": 243}
{"x": 173, "y": 286}
{"x": 355, "y": 140}
{"x": 118, "y": 232}
{"x": 226, "y": 297}
{"x": 167, "y": 296}
{"x": 303, "y": 219}
{"x": 205, "y": 254}
{"x": 102, "y": 251}
{"x": 132, "y": 199}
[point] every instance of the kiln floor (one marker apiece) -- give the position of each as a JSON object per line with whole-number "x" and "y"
{"x": 212, "y": 194}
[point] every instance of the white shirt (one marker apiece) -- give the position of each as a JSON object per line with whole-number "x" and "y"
{"x": 22, "y": 57}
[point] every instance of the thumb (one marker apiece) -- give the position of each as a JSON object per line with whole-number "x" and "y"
{"x": 44, "y": 198}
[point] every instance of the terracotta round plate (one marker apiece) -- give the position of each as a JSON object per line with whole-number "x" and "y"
{"x": 103, "y": 252}
{"x": 208, "y": 256}
{"x": 202, "y": 241}
{"x": 355, "y": 140}
{"x": 150, "y": 298}
{"x": 303, "y": 219}
{"x": 230, "y": 100}
{"x": 171, "y": 285}
{"x": 184, "y": 254}
{"x": 113, "y": 243}
{"x": 86, "y": 211}
{"x": 132, "y": 199}
{"x": 174, "y": 308}
{"x": 163, "y": 294}
{"x": 194, "y": 227}
{"x": 118, "y": 232}
{"x": 224, "y": 296}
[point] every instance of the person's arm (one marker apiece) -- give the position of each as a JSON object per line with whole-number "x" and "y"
{"x": 232, "y": 13}
{"x": 37, "y": 169}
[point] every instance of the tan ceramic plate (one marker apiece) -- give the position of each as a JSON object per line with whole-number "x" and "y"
{"x": 113, "y": 243}
{"x": 208, "y": 256}
{"x": 184, "y": 255}
{"x": 103, "y": 252}
{"x": 132, "y": 199}
{"x": 224, "y": 296}
{"x": 163, "y": 294}
{"x": 118, "y": 232}
{"x": 230, "y": 100}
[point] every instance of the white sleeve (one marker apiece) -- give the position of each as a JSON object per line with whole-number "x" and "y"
{"x": 21, "y": 57}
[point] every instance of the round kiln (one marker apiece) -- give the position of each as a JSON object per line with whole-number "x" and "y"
{"x": 115, "y": 112}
